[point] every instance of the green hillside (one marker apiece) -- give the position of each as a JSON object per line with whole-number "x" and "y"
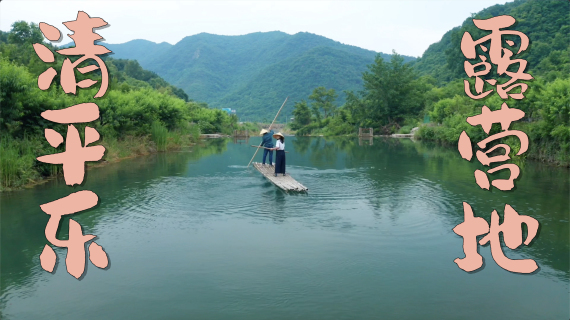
{"x": 253, "y": 73}
{"x": 429, "y": 93}
{"x": 546, "y": 23}
{"x": 140, "y": 50}
{"x": 296, "y": 77}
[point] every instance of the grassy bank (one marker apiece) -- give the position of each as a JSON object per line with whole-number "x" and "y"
{"x": 19, "y": 167}
{"x": 140, "y": 113}
{"x": 546, "y": 144}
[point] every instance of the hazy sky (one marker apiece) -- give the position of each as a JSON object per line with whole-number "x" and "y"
{"x": 408, "y": 27}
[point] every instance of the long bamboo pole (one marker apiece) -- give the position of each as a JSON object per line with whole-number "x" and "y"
{"x": 265, "y": 148}
{"x": 269, "y": 129}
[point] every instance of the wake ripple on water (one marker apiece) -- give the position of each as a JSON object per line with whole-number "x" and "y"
{"x": 237, "y": 167}
{"x": 416, "y": 209}
{"x": 190, "y": 198}
{"x": 339, "y": 198}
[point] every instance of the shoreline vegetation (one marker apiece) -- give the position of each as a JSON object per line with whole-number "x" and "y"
{"x": 429, "y": 92}
{"x": 115, "y": 151}
{"x": 141, "y": 113}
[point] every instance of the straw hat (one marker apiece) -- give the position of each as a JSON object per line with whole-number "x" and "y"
{"x": 263, "y": 131}
{"x": 277, "y": 135}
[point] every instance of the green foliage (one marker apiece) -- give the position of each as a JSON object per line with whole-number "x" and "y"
{"x": 323, "y": 99}
{"x": 391, "y": 93}
{"x": 22, "y": 101}
{"x": 545, "y": 22}
{"x": 405, "y": 129}
{"x": 130, "y": 73}
{"x": 396, "y": 99}
{"x": 159, "y": 134}
{"x": 253, "y": 128}
{"x": 138, "y": 104}
{"x": 301, "y": 114}
{"x": 253, "y": 73}
{"x": 555, "y": 109}
{"x": 321, "y": 115}
{"x": 546, "y": 101}
{"x": 340, "y": 125}
{"x": 547, "y": 120}
{"x": 17, "y": 161}
{"x": 23, "y": 33}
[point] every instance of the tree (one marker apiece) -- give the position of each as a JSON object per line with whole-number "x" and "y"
{"x": 24, "y": 33}
{"x": 390, "y": 91}
{"x": 355, "y": 108}
{"x": 301, "y": 114}
{"x": 323, "y": 99}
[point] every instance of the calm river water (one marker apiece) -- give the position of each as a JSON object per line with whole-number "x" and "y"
{"x": 198, "y": 235}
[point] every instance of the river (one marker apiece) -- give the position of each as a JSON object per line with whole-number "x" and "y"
{"x": 196, "y": 234}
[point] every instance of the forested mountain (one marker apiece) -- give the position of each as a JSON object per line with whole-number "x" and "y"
{"x": 546, "y": 23}
{"x": 140, "y": 50}
{"x": 429, "y": 93}
{"x": 253, "y": 73}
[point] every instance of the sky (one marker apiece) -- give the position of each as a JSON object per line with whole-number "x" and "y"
{"x": 406, "y": 26}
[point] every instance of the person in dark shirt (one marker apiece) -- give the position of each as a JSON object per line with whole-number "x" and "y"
{"x": 267, "y": 142}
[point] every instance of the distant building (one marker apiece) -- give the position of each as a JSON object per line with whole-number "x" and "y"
{"x": 230, "y": 111}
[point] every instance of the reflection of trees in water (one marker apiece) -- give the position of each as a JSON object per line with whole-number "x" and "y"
{"x": 301, "y": 144}
{"x": 275, "y": 201}
{"x": 279, "y": 213}
{"x": 22, "y": 237}
{"x": 541, "y": 192}
{"x": 324, "y": 152}
{"x": 210, "y": 146}
{"x": 392, "y": 166}
{"x": 241, "y": 140}
{"x": 23, "y": 223}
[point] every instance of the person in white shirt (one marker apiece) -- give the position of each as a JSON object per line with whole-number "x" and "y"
{"x": 280, "y": 153}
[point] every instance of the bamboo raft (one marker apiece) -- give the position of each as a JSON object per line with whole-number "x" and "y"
{"x": 286, "y": 182}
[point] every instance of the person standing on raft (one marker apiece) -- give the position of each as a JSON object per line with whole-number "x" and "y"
{"x": 267, "y": 142}
{"x": 280, "y": 154}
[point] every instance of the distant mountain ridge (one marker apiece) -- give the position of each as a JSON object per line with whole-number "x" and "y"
{"x": 253, "y": 73}
{"x": 138, "y": 49}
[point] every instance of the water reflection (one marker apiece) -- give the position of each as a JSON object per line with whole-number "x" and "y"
{"x": 401, "y": 172}
{"x": 241, "y": 140}
{"x": 363, "y": 141}
{"x": 23, "y": 223}
{"x": 372, "y": 210}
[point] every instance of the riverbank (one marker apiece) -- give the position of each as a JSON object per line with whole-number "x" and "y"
{"x": 20, "y": 169}
{"x": 552, "y": 151}
{"x": 547, "y": 152}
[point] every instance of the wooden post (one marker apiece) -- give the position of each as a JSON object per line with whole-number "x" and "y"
{"x": 241, "y": 133}
{"x": 365, "y": 132}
